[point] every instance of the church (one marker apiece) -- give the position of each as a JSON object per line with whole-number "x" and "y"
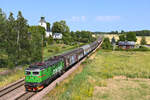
{"x": 43, "y": 23}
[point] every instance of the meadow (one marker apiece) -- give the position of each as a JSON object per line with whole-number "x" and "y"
{"x": 138, "y": 38}
{"x": 56, "y": 49}
{"x": 107, "y": 75}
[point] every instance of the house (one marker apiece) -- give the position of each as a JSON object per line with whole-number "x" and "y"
{"x": 43, "y": 23}
{"x": 126, "y": 44}
{"x": 57, "y": 36}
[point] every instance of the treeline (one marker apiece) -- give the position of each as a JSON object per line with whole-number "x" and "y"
{"x": 19, "y": 43}
{"x": 70, "y": 37}
{"x": 138, "y": 33}
{"x": 23, "y": 44}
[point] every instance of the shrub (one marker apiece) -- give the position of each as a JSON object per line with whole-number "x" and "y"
{"x": 106, "y": 44}
{"x": 50, "y": 50}
{"x": 57, "y": 49}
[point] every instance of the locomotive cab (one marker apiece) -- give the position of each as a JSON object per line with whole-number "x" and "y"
{"x": 33, "y": 78}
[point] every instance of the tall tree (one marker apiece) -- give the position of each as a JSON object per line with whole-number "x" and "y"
{"x": 60, "y": 27}
{"x": 22, "y": 38}
{"x": 143, "y": 41}
{"x": 3, "y": 38}
{"x": 48, "y": 26}
{"x": 11, "y": 41}
{"x": 36, "y": 46}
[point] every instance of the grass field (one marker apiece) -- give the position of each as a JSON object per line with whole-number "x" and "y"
{"x": 13, "y": 76}
{"x": 17, "y": 74}
{"x": 57, "y": 49}
{"x": 138, "y": 38}
{"x": 108, "y": 75}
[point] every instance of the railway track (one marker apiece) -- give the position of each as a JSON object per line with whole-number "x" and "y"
{"x": 25, "y": 96}
{"x": 11, "y": 88}
{"x": 15, "y": 91}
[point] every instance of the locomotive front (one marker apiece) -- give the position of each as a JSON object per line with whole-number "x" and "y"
{"x": 33, "y": 78}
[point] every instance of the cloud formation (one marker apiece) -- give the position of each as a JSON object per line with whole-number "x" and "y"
{"x": 78, "y": 18}
{"x": 107, "y": 18}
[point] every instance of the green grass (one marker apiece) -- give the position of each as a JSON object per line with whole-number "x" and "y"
{"x": 3, "y": 69}
{"x": 56, "y": 49}
{"x": 13, "y": 76}
{"x": 97, "y": 81}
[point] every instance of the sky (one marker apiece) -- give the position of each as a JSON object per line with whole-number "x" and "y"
{"x": 91, "y": 15}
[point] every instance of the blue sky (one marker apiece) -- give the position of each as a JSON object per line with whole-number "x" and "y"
{"x": 93, "y": 15}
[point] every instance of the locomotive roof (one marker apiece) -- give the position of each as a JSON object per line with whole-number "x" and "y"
{"x": 46, "y": 64}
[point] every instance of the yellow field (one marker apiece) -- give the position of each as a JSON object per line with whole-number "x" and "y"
{"x": 138, "y": 38}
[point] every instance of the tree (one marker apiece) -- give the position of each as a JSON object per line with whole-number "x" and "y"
{"x": 50, "y": 40}
{"x": 143, "y": 41}
{"x": 60, "y": 27}
{"x": 113, "y": 41}
{"x": 36, "y": 46}
{"x": 48, "y": 26}
{"x": 131, "y": 36}
{"x": 22, "y": 38}
{"x": 106, "y": 44}
{"x": 122, "y": 37}
{"x": 3, "y": 39}
{"x": 11, "y": 41}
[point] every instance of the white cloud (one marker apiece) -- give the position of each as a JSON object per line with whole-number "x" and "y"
{"x": 107, "y": 18}
{"x": 78, "y": 18}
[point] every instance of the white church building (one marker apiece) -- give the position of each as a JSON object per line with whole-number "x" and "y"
{"x": 43, "y": 23}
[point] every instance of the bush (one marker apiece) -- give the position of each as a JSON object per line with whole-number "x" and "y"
{"x": 142, "y": 48}
{"x": 50, "y": 50}
{"x": 57, "y": 49}
{"x": 106, "y": 44}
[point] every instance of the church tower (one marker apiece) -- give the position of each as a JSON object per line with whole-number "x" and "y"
{"x": 43, "y": 23}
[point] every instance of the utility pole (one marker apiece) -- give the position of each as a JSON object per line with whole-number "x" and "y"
{"x": 42, "y": 48}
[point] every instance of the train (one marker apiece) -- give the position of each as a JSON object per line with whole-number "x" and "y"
{"x": 41, "y": 74}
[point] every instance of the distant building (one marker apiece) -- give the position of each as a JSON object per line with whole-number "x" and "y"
{"x": 43, "y": 23}
{"x": 126, "y": 44}
{"x": 57, "y": 36}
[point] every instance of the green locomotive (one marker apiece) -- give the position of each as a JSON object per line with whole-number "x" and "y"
{"x": 41, "y": 74}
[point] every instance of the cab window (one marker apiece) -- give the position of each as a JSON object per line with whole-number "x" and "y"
{"x": 28, "y": 72}
{"x": 35, "y": 73}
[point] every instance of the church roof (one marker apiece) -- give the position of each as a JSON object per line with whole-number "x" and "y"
{"x": 42, "y": 20}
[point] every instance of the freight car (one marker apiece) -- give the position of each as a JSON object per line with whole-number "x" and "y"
{"x": 39, "y": 75}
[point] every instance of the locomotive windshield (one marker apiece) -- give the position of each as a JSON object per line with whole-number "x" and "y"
{"x": 28, "y": 72}
{"x": 35, "y": 73}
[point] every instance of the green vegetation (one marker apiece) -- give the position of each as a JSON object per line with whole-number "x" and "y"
{"x": 18, "y": 41}
{"x": 143, "y": 41}
{"x": 138, "y": 33}
{"x": 111, "y": 75}
{"x": 129, "y": 36}
{"x": 22, "y": 44}
{"x": 12, "y": 76}
{"x": 106, "y": 44}
{"x": 56, "y": 49}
